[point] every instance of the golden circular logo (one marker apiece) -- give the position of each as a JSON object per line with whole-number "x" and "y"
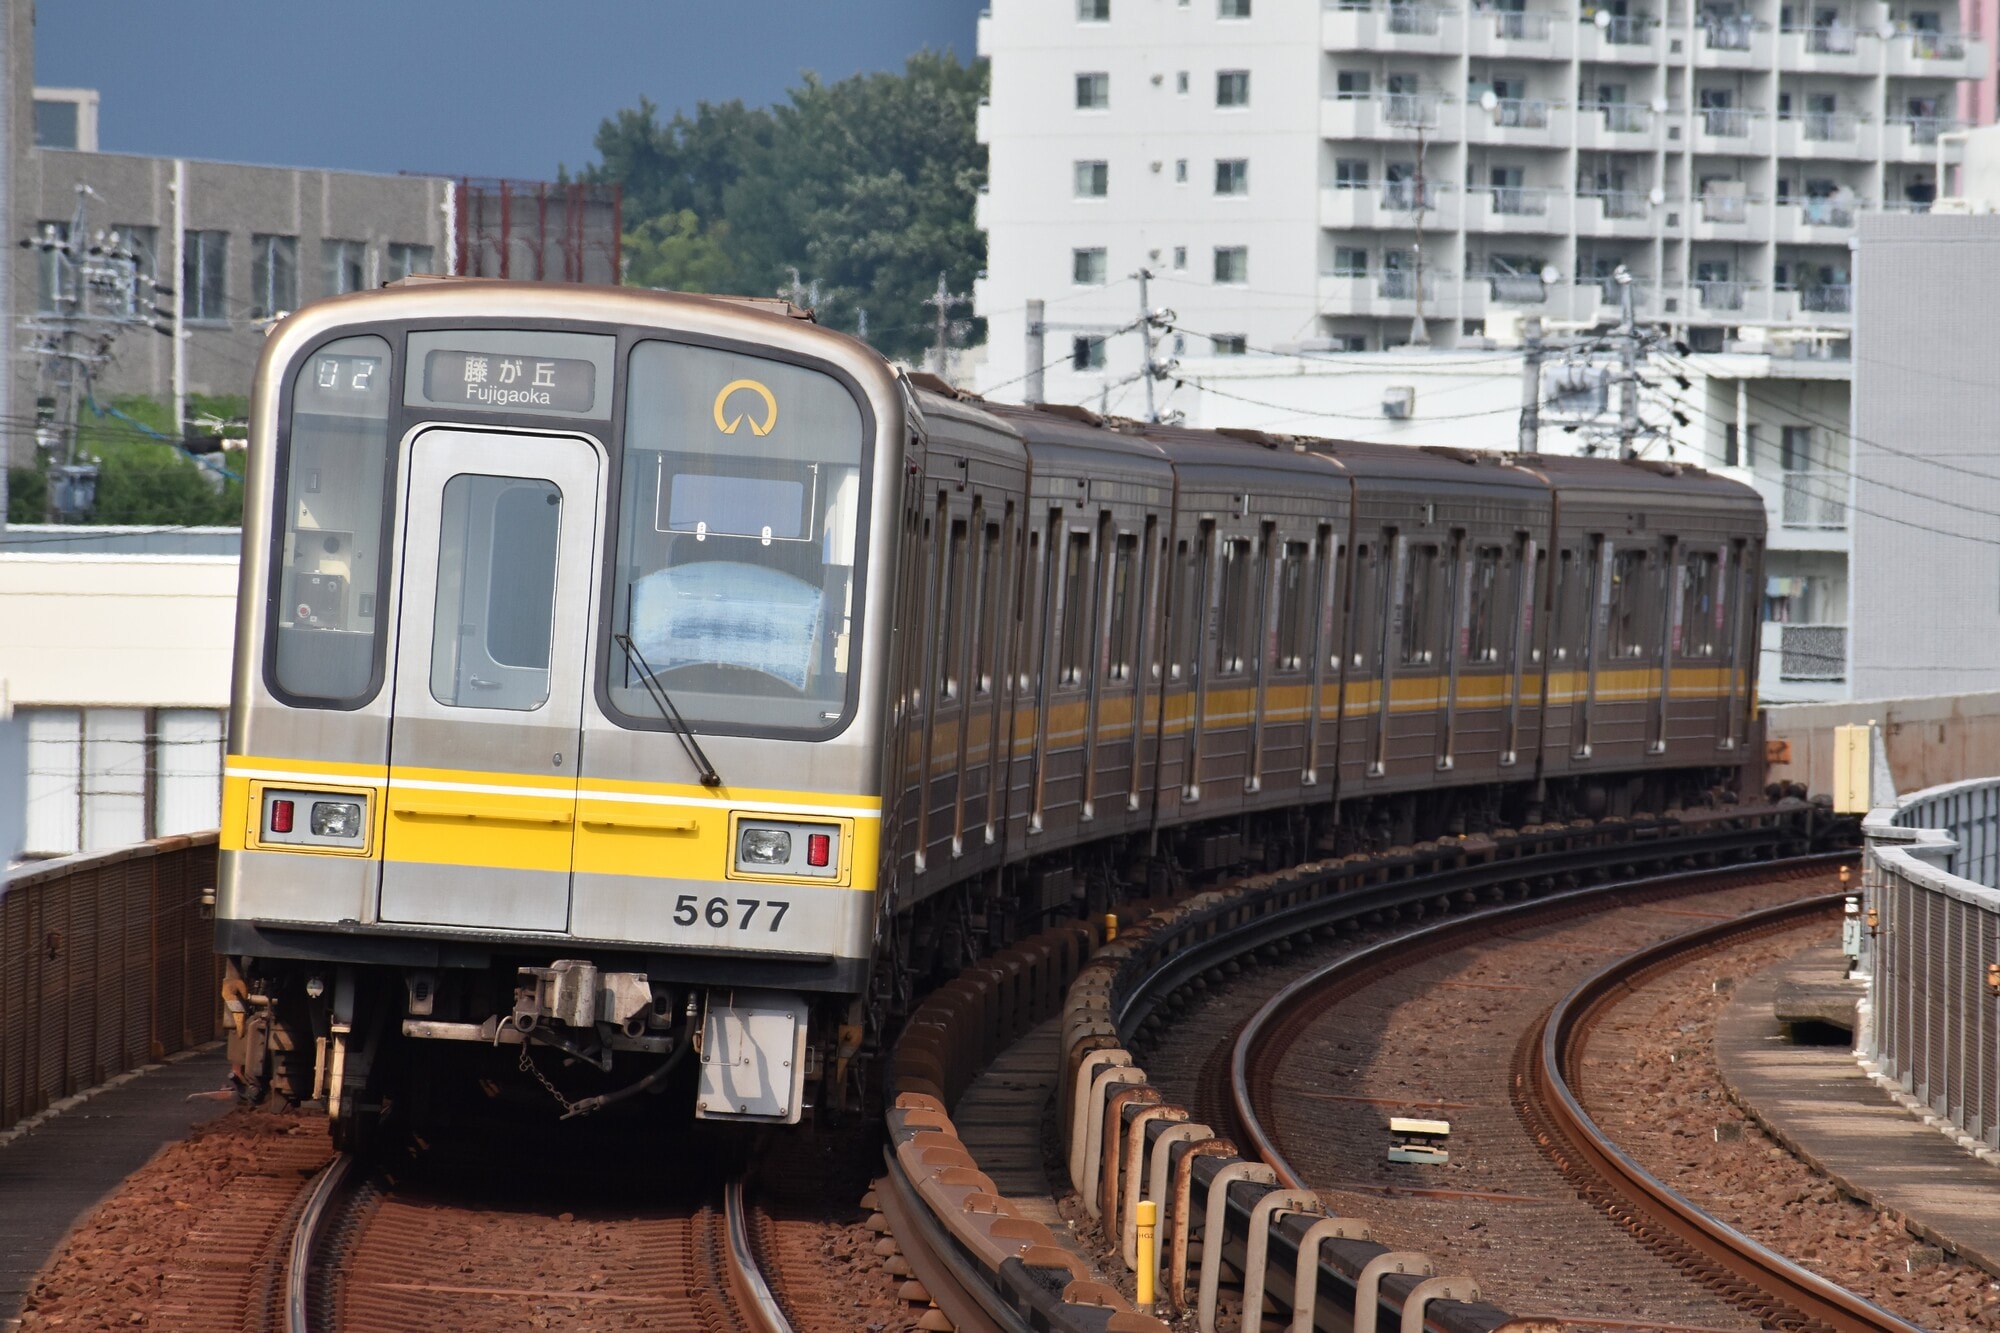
{"x": 728, "y": 425}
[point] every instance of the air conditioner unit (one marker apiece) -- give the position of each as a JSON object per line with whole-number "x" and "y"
{"x": 1399, "y": 401}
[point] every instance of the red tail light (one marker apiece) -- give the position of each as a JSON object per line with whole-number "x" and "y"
{"x": 281, "y": 816}
{"x": 819, "y": 849}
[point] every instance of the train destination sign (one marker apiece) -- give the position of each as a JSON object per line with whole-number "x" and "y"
{"x": 508, "y": 381}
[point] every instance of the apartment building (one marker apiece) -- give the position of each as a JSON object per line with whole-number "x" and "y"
{"x": 1350, "y": 175}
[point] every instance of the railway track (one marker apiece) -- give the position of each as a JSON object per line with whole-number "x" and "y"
{"x": 357, "y": 1260}
{"x": 1777, "y": 1292}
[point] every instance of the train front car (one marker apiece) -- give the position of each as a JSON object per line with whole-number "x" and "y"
{"x": 553, "y": 752}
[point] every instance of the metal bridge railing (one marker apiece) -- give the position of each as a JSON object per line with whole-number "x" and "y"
{"x": 107, "y": 962}
{"x": 1932, "y": 866}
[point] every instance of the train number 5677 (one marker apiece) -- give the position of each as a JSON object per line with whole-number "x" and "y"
{"x": 722, "y": 912}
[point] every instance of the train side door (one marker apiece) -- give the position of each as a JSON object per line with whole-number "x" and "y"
{"x": 499, "y": 549}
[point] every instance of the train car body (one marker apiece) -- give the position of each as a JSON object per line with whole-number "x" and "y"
{"x": 623, "y": 674}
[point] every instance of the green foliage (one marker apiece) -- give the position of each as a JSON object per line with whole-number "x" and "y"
{"x": 141, "y": 480}
{"x": 866, "y": 185}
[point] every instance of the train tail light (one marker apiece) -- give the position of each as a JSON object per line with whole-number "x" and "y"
{"x": 281, "y": 816}
{"x": 819, "y": 849}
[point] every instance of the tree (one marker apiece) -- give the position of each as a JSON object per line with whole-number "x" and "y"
{"x": 142, "y": 478}
{"x": 866, "y": 185}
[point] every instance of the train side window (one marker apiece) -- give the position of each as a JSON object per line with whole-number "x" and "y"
{"x": 1530, "y": 586}
{"x": 1423, "y": 596}
{"x": 1235, "y": 612}
{"x": 1700, "y": 634}
{"x": 1183, "y": 612}
{"x": 1566, "y": 634}
{"x": 1295, "y": 604}
{"x": 985, "y": 615}
{"x": 1124, "y": 605}
{"x": 950, "y": 611}
{"x": 496, "y": 584}
{"x": 1482, "y": 641}
{"x": 1364, "y": 622}
{"x": 1625, "y": 635}
{"x": 1075, "y": 642}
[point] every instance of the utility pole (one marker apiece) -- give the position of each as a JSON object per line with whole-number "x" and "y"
{"x": 1038, "y": 351}
{"x": 1531, "y": 385}
{"x": 1420, "y": 336}
{"x": 96, "y": 289}
{"x": 1628, "y": 361}
{"x": 944, "y": 298}
{"x": 1150, "y": 322}
{"x": 861, "y": 322}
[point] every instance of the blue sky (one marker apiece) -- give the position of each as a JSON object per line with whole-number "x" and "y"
{"x": 455, "y": 87}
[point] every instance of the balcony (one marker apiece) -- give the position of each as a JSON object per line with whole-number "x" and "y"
{"x": 1387, "y": 116}
{"x": 1830, "y": 50}
{"x": 1615, "y": 213}
{"x": 1405, "y": 29}
{"x": 1523, "y": 122}
{"x": 1825, "y": 304}
{"x": 1518, "y": 210}
{"x": 1827, "y": 221}
{"x": 1732, "y": 131}
{"x": 1812, "y": 652}
{"x": 1734, "y": 41}
{"x": 1914, "y": 138}
{"x": 1520, "y": 35}
{"x": 1726, "y": 296}
{"x": 1934, "y": 55}
{"x": 1388, "y": 204}
{"x": 1615, "y": 127}
{"x": 1624, "y": 39}
{"x": 1729, "y": 215}
{"x": 1826, "y": 134}
{"x": 1513, "y": 288}
{"x": 1388, "y": 293}
{"x": 1814, "y": 498}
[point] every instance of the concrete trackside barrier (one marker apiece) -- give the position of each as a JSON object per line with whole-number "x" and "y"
{"x": 1929, "y": 741}
{"x": 107, "y": 962}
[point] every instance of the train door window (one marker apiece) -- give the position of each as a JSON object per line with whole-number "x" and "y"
{"x": 1031, "y": 608}
{"x": 1235, "y": 612}
{"x": 1422, "y": 594}
{"x": 329, "y": 573}
{"x": 1571, "y": 609}
{"x": 1365, "y": 613}
{"x": 1700, "y": 634}
{"x": 1124, "y": 605}
{"x": 1075, "y": 642}
{"x": 1184, "y": 612}
{"x": 1486, "y": 614}
{"x": 496, "y": 583}
{"x": 986, "y": 615}
{"x": 951, "y": 612}
{"x": 1530, "y": 590}
{"x": 1296, "y": 579}
{"x": 1625, "y": 634}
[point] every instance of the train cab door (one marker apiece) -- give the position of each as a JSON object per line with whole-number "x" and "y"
{"x": 499, "y": 551}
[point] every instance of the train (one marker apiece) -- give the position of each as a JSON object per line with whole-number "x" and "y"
{"x": 623, "y": 676}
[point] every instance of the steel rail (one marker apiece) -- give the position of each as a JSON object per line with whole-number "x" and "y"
{"x": 1799, "y": 1288}
{"x": 308, "y": 1234}
{"x": 746, "y": 1280}
{"x": 1416, "y": 944}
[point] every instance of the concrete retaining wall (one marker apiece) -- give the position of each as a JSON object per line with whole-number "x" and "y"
{"x": 1930, "y": 741}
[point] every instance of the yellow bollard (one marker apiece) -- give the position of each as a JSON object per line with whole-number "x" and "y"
{"x": 1149, "y": 1261}
{"x": 1110, "y": 927}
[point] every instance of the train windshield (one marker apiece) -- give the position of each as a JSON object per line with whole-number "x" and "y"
{"x": 737, "y": 542}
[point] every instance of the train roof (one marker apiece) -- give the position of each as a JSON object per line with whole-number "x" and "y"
{"x": 1640, "y": 479}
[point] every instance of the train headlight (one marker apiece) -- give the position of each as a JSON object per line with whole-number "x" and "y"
{"x": 336, "y": 819}
{"x": 765, "y": 847}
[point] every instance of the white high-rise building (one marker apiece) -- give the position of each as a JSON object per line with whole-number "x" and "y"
{"x": 1266, "y": 160}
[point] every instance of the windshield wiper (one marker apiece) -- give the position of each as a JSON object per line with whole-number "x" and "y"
{"x": 658, "y": 693}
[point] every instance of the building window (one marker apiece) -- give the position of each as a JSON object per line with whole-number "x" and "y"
{"x": 1232, "y": 175}
{"x": 1087, "y": 268}
{"x": 274, "y": 275}
{"x": 204, "y": 261}
{"x": 407, "y": 259}
{"x": 1351, "y": 85}
{"x": 1795, "y": 449}
{"x": 1350, "y": 173}
{"x": 346, "y": 265}
{"x": 1086, "y": 353}
{"x": 1180, "y": 171}
{"x": 1232, "y": 9}
{"x": 1231, "y": 344}
{"x": 57, "y": 124}
{"x": 1180, "y": 258}
{"x": 1093, "y": 11}
{"x": 1232, "y": 87}
{"x": 1350, "y": 262}
{"x": 1181, "y": 83}
{"x": 53, "y": 283}
{"x": 142, "y": 244}
{"x": 1093, "y": 92}
{"x": 1093, "y": 180}
{"x": 1232, "y": 264}
{"x": 1348, "y": 342}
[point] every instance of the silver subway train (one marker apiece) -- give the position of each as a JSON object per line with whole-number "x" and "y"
{"x": 623, "y": 676}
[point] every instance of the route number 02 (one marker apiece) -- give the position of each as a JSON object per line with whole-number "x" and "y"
{"x": 719, "y": 912}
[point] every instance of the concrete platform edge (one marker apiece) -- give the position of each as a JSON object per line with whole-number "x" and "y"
{"x": 21, "y": 1129}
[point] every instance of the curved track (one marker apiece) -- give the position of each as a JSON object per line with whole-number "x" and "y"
{"x": 327, "y": 1251}
{"x": 1757, "y": 1279}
